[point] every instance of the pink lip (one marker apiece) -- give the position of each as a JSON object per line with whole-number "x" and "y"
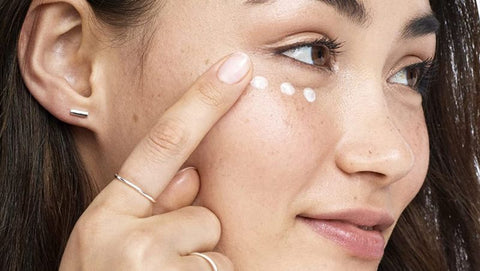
{"x": 343, "y": 229}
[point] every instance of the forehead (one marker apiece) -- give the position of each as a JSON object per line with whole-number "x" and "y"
{"x": 359, "y": 11}
{"x": 415, "y": 16}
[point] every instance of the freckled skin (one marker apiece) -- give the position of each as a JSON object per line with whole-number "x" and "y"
{"x": 362, "y": 143}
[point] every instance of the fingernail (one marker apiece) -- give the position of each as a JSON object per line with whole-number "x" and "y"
{"x": 234, "y": 68}
{"x": 185, "y": 169}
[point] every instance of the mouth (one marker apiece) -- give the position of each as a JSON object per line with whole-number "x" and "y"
{"x": 359, "y": 232}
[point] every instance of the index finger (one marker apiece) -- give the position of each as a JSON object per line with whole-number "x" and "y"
{"x": 157, "y": 158}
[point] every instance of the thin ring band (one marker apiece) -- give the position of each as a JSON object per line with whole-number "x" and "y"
{"x": 138, "y": 189}
{"x": 208, "y": 259}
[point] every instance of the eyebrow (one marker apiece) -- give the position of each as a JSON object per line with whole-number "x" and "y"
{"x": 353, "y": 9}
{"x": 421, "y": 26}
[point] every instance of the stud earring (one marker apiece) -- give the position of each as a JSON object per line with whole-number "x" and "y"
{"x": 79, "y": 113}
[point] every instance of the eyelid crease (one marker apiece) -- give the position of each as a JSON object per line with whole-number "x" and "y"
{"x": 295, "y": 39}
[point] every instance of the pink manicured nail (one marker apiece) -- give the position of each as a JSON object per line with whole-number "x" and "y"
{"x": 234, "y": 68}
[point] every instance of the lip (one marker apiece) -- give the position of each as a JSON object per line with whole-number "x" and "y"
{"x": 342, "y": 228}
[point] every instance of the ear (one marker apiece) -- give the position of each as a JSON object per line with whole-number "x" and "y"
{"x": 56, "y": 54}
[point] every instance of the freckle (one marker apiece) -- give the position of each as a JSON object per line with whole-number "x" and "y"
{"x": 207, "y": 62}
{"x": 355, "y": 198}
{"x": 300, "y": 107}
{"x": 259, "y": 82}
{"x": 135, "y": 117}
{"x": 286, "y": 122}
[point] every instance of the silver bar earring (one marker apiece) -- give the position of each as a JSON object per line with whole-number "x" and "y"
{"x": 78, "y": 113}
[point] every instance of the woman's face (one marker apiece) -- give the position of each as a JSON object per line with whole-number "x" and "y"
{"x": 291, "y": 180}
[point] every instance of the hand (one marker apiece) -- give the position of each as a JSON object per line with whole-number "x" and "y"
{"x": 120, "y": 230}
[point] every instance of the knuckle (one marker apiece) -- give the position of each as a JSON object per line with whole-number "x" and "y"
{"x": 168, "y": 138}
{"x": 208, "y": 219}
{"x": 136, "y": 243}
{"x": 165, "y": 229}
{"x": 86, "y": 230}
{"x": 210, "y": 94}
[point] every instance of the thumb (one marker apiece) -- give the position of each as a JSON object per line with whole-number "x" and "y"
{"x": 180, "y": 192}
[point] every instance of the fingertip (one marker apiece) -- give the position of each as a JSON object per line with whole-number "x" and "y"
{"x": 180, "y": 192}
{"x": 235, "y": 68}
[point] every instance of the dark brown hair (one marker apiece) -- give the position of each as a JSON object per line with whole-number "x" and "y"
{"x": 440, "y": 229}
{"x": 44, "y": 187}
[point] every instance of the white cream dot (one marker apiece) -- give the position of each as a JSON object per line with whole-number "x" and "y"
{"x": 259, "y": 82}
{"x": 287, "y": 89}
{"x": 335, "y": 67}
{"x": 310, "y": 95}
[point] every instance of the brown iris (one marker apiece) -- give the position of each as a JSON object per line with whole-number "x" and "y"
{"x": 321, "y": 55}
{"x": 413, "y": 76}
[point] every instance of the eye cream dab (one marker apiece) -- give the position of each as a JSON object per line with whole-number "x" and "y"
{"x": 287, "y": 89}
{"x": 259, "y": 82}
{"x": 310, "y": 95}
{"x": 335, "y": 67}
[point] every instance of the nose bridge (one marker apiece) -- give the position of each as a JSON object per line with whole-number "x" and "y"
{"x": 371, "y": 141}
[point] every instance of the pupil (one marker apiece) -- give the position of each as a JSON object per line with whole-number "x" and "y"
{"x": 412, "y": 77}
{"x": 319, "y": 55}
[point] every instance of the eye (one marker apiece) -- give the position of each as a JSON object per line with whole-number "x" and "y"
{"x": 312, "y": 55}
{"x": 320, "y": 53}
{"x": 412, "y": 76}
{"x": 407, "y": 77}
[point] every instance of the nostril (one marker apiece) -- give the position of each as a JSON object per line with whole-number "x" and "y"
{"x": 373, "y": 175}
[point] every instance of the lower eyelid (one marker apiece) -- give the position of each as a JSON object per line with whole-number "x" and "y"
{"x": 303, "y": 65}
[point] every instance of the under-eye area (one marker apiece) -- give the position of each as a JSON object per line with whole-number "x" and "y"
{"x": 270, "y": 135}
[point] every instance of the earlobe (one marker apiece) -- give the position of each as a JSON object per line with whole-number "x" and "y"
{"x": 54, "y": 61}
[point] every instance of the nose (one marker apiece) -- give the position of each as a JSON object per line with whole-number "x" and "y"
{"x": 371, "y": 143}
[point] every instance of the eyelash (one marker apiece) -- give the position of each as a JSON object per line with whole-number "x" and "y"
{"x": 427, "y": 71}
{"x": 332, "y": 45}
{"x": 427, "y": 68}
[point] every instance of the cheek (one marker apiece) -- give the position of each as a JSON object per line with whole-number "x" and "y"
{"x": 415, "y": 132}
{"x": 260, "y": 152}
{"x": 256, "y": 146}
